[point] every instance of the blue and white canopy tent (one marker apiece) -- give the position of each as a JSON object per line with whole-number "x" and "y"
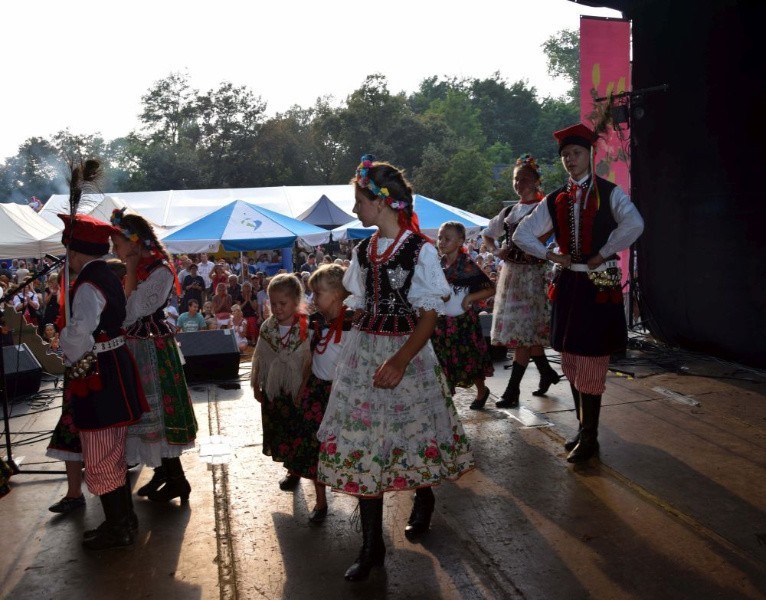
{"x": 431, "y": 214}
{"x": 241, "y": 227}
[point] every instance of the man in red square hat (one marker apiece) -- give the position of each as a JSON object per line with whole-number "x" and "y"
{"x": 592, "y": 219}
{"x": 101, "y": 380}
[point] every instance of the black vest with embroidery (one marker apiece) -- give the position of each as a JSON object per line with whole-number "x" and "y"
{"x": 387, "y": 310}
{"x": 603, "y": 223}
{"x": 98, "y": 274}
{"x": 516, "y": 254}
{"x": 155, "y": 323}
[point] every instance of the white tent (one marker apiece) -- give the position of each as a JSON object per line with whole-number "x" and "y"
{"x": 173, "y": 208}
{"x": 24, "y": 233}
{"x": 99, "y": 206}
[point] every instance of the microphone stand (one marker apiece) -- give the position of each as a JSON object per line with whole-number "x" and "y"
{"x": 3, "y": 382}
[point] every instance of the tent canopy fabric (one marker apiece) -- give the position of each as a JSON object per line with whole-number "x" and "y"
{"x": 242, "y": 227}
{"x": 431, "y": 214}
{"x": 172, "y": 208}
{"x": 325, "y": 213}
{"x": 24, "y": 233}
{"x": 99, "y": 206}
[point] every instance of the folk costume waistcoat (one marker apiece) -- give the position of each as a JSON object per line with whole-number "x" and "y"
{"x": 112, "y": 396}
{"x": 581, "y": 323}
{"x": 387, "y": 283}
{"x": 155, "y": 323}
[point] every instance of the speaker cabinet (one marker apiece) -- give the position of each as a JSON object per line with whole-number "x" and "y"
{"x": 22, "y": 371}
{"x": 210, "y": 355}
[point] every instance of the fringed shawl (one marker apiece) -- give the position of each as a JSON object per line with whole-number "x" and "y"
{"x": 279, "y": 367}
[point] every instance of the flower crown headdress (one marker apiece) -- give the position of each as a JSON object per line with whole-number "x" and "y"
{"x": 527, "y": 160}
{"x": 116, "y": 220}
{"x": 362, "y": 179}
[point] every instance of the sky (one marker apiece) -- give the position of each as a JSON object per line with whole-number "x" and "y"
{"x": 85, "y": 65}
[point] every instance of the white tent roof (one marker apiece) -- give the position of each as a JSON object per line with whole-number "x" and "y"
{"x": 99, "y": 206}
{"x": 173, "y": 208}
{"x": 23, "y": 233}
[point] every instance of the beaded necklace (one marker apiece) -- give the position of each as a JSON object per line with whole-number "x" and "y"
{"x": 334, "y": 331}
{"x": 379, "y": 259}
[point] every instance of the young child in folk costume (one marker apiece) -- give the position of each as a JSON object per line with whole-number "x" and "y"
{"x": 280, "y": 368}
{"x": 521, "y": 312}
{"x": 170, "y": 427}
{"x": 458, "y": 339}
{"x": 390, "y": 424}
{"x": 101, "y": 381}
{"x": 328, "y": 328}
{"x": 592, "y": 219}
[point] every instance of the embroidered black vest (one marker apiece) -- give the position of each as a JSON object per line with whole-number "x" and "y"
{"x": 155, "y": 323}
{"x": 387, "y": 310}
{"x": 516, "y": 254}
{"x": 603, "y": 223}
{"x": 98, "y": 274}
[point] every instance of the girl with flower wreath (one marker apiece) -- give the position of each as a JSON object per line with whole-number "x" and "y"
{"x": 280, "y": 368}
{"x": 458, "y": 339}
{"x": 390, "y": 424}
{"x": 521, "y": 312}
{"x": 592, "y": 219}
{"x": 170, "y": 427}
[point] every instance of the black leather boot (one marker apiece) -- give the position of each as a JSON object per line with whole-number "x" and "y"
{"x": 115, "y": 531}
{"x": 176, "y": 485}
{"x": 373, "y": 551}
{"x": 548, "y": 376}
{"x": 132, "y": 516}
{"x": 510, "y": 397}
{"x": 420, "y": 517}
{"x": 154, "y": 483}
{"x": 572, "y": 442}
{"x": 590, "y": 406}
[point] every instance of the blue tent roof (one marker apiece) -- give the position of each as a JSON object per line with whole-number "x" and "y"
{"x": 240, "y": 226}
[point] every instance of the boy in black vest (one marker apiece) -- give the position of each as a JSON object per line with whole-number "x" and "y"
{"x": 592, "y": 220}
{"x": 101, "y": 378}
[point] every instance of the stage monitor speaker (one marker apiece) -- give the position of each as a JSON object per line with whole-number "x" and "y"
{"x": 22, "y": 371}
{"x": 210, "y": 355}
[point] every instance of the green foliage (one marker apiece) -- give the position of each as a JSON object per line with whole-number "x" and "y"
{"x": 453, "y": 137}
{"x": 562, "y": 52}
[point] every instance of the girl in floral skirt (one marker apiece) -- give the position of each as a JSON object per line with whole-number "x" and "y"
{"x": 390, "y": 424}
{"x": 458, "y": 340}
{"x": 280, "y": 368}
{"x": 329, "y": 328}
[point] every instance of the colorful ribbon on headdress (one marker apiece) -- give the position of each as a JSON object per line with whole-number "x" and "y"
{"x": 363, "y": 179}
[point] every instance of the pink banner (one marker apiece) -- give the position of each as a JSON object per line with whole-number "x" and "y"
{"x": 604, "y": 72}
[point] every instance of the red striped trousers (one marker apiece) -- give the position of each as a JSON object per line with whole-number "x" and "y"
{"x": 103, "y": 452}
{"x": 586, "y": 373}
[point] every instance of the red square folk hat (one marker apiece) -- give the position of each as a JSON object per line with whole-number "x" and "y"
{"x": 580, "y": 135}
{"x": 86, "y": 234}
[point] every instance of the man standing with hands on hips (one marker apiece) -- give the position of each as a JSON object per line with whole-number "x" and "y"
{"x": 592, "y": 220}
{"x": 101, "y": 378}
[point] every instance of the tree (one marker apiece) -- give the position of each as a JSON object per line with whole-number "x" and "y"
{"x": 468, "y": 179}
{"x": 562, "y": 52}
{"x": 169, "y": 109}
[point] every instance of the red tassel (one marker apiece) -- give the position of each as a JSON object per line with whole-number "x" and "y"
{"x": 552, "y": 292}
{"x": 616, "y": 296}
{"x": 602, "y": 297}
{"x": 78, "y": 387}
{"x": 94, "y": 383}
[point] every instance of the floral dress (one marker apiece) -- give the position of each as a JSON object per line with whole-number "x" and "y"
{"x": 521, "y": 315}
{"x": 170, "y": 427}
{"x": 374, "y": 440}
{"x": 458, "y": 340}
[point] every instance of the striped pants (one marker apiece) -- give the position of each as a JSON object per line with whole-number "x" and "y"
{"x": 586, "y": 373}
{"x": 103, "y": 452}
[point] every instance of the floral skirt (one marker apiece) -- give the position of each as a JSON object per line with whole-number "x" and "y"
{"x": 170, "y": 426}
{"x": 278, "y": 417}
{"x": 65, "y": 441}
{"x": 462, "y": 350}
{"x": 375, "y": 440}
{"x": 521, "y": 315}
{"x": 303, "y": 453}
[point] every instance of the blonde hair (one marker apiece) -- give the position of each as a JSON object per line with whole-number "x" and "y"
{"x": 330, "y": 276}
{"x": 287, "y": 283}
